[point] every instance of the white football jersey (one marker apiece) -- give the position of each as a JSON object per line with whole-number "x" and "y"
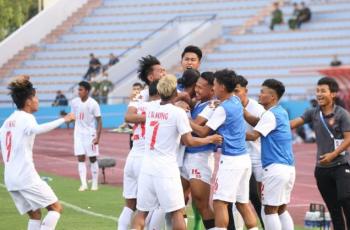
{"x": 254, "y": 147}
{"x": 85, "y": 114}
{"x": 139, "y": 130}
{"x": 17, "y": 136}
{"x": 144, "y": 94}
{"x": 164, "y": 126}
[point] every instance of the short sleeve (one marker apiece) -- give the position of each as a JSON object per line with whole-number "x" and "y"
{"x": 182, "y": 123}
{"x": 345, "y": 121}
{"x": 217, "y": 119}
{"x": 308, "y": 115}
{"x": 73, "y": 106}
{"x": 260, "y": 110}
{"x": 207, "y": 112}
{"x": 133, "y": 103}
{"x": 96, "y": 110}
{"x": 266, "y": 124}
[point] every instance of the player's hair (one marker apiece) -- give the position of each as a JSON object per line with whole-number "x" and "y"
{"x": 275, "y": 85}
{"x": 152, "y": 88}
{"x": 189, "y": 78}
{"x": 192, "y": 49}
{"x": 166, "y": 87}
{"x": 241, "y": 81}
{"x": 137, "y": 84}
{"x": 227, "y": 78}
{"x": 86, "y": 85}
{"x": 145, "y": 67}
{"x": 209, "y": 77}
{"x": 21, "y": 89}
{"x": 331, "y": 82}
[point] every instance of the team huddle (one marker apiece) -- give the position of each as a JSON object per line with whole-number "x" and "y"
{"x": 178, "y": 125}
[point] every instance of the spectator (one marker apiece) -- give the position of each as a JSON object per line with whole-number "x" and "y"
{"x": 277, "y": 16}
{"x": 292, "y": 22}
{"x": 112, "y": 61}
{"x": 95, "y": 90}
{"x": 304, "y": 15}
{"x": 105, "y": 87}
{"x": 94, "y": 67}
{"x": 336, "y": 61}
{"x": 60, "y": 99}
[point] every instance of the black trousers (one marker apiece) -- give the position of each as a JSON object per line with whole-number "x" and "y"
{"x": 334, "y": 186}
{"x": 254, "y": 198}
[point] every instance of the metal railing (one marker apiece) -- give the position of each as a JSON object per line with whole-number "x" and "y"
{"x": 207, "y": 18}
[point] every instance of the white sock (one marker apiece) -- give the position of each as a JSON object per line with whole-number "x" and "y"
{"x": 94, "y": 173}
{"x": 50, "y": 220}
{"x": 82, "y": 173}
{"x": 255, "y": 228}
{"x": 34, "y": 224}
{"x": 286, "y": 221}
{"x": 272, "y": 222}
{"x": 217, "y": 228}
{"x": 239, "y": 222}
{"x": 125, "y": 218}
{"x": 168, "y": 223}
{"x": 263, "y": 213}
{"x": 157, "y": 220}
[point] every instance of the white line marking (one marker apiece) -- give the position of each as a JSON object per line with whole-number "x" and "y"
{"x": 81, "y": 210}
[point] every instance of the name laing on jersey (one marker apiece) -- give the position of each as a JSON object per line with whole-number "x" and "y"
{"x": 11, "y": 124}
{"x": 158, "y": 115}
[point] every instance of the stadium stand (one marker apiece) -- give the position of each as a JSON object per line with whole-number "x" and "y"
{"x": 259, "y": 53}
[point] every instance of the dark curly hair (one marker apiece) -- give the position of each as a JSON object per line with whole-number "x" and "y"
{"x": 189, "y": 78}
{"x": 227, "y": 78}
{"x": 21, "y": 89}
{"x": 145, "y": 67}
{"x": 275, "y": 85}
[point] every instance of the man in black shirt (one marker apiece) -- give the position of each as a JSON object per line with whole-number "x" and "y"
{"x": 60, "y": 99}
{"x": 94, "y": 67}
{"x": 304, "y": 15}
{"x": 335, "y": 61}
{"x": 332, "y": 128}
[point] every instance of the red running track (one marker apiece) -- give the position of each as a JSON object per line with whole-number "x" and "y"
{"x": 53, "y": 153}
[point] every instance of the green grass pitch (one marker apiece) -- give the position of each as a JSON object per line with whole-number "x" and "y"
{"x": 106, "y": 203}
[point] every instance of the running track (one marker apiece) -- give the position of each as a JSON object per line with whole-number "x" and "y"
{"x": 53, "y": 152}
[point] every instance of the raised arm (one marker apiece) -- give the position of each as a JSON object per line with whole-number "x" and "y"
{"x": 201, "y": 131}
{"x": 252, "y": 136}
{"x": 46, "y": 127}
{"x": 295, "y": 123}
{"x": 189, "y": 140}
{"x": 250, "y": 118}
{"x": 131, "y": 116}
